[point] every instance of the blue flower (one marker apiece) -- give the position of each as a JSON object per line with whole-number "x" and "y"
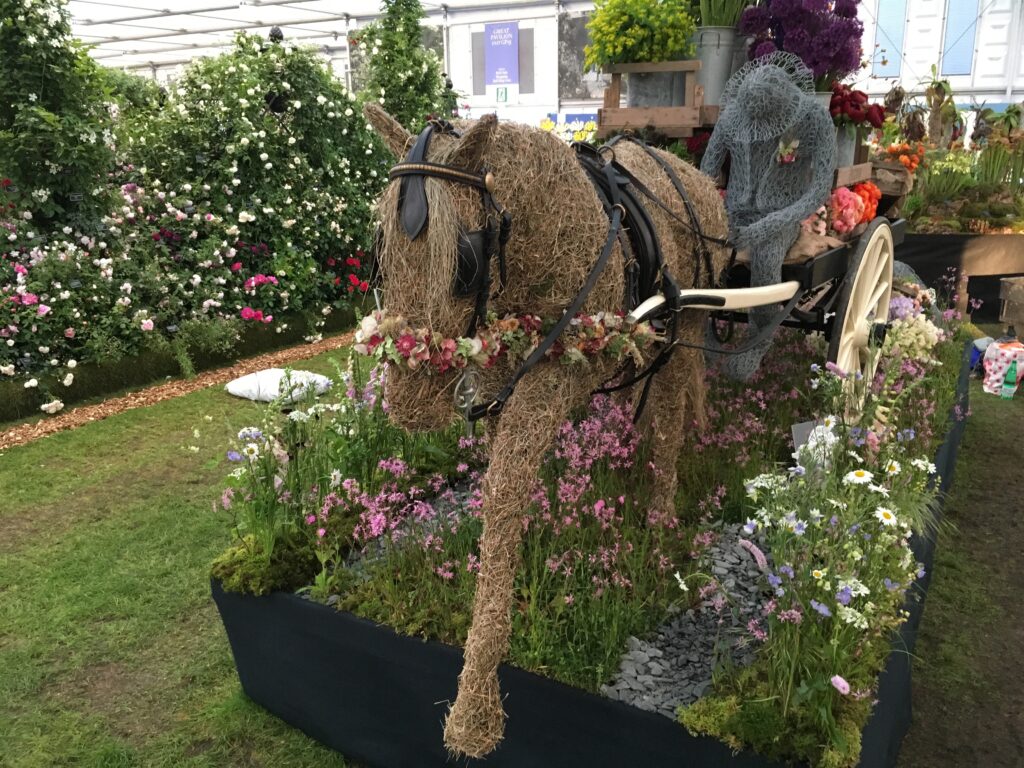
{"x": 774, "y": 580}
{"x": 844, "y": 596}
{"x": 891, "y": 585}
{"x": 750, "y": 527}
{"x": 787, "y": 570}
{"x": 821, "y": 608}
{"x": 234, "y": 456}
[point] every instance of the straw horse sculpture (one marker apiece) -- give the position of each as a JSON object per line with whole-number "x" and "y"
{"x": 559, "y": 228}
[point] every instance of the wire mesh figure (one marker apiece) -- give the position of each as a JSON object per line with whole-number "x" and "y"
{"x": 781, "y": 146}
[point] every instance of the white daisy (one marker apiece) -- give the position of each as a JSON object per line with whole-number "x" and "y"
{"x": 885, "y": 516}
{"x": 251, "y": 451}
{"x": 892, "y": 467}
{"x": 858, "y": 477}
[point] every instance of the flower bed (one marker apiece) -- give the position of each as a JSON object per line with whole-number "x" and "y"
{"x": 335, "y": 502}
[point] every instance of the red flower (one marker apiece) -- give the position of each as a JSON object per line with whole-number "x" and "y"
{"x": 236, "y": 266}
{"x": 337, "y": 281}
{"x": 330, "y": 261}
{"x": 352, "y": 262}
{"x": 364, "y": 286}
{"x": 405, "y": 344}
{"x": 5, "y": 183}
{"x": 353, "y": 279}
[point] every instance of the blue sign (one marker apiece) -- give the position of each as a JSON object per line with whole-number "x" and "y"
{"x": 501, "y": 53}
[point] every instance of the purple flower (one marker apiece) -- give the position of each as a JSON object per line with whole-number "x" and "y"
{"x": 821, "y": 608}
{"x": 787, "y": 570}
{"x": 774, "y": 580}
{"x": 800, "y": 528}
{"x": 234, "y": 456}
{"x": 750, "y": 528}
{"x": 764, "y": 48}
{"x": 754, "y": 21}
{"x": 891, "y": 585}
{"x": 920, "y": 572}
{"x": 844, "y": 596}
{"x": 797, "y": 471}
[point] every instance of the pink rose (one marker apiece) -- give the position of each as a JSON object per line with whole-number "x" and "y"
{"x": 42, "y": 310}
{"x": 69, "y": 333}
{"x": 147, "y": 325}
{"x": 28, "y": 299}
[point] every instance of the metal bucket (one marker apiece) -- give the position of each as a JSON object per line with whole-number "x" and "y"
{"x": 715, "y": 49}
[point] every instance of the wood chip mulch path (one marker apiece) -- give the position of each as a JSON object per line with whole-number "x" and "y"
{"x": 76, "y": 417}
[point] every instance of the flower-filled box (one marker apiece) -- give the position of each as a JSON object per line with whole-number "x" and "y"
{"x": 380, "y": 542}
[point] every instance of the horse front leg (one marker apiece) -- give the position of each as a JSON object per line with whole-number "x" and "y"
{"x": 525, "y": 431}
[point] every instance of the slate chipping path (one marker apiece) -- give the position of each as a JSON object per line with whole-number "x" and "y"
{"x": 674, "y": 666}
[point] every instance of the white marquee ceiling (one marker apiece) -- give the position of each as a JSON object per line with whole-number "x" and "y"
{"x": 140, "y": 34}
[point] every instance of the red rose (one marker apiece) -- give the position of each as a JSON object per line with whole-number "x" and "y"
{"x": 352, "y": 262}
{"x": 364, "y": 286}
{"x": 353, "y": 279}
{"x": 330, "y": 261}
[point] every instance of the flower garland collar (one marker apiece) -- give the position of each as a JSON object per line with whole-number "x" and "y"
{"x": 513, "y": 336}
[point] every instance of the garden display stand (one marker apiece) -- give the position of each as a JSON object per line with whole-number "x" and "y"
{"x": 380, "y": 698}
{"x": 674, "y": 122}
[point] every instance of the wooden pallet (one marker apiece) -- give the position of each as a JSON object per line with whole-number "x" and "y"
{"x": 674, "y": 122}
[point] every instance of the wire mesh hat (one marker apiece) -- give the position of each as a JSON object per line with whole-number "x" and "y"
{"x": 763, "y": 99}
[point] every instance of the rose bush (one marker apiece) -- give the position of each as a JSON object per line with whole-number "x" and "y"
{"x": 246, "y": 195}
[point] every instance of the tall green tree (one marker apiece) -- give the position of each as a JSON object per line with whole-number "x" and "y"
{"x": 55, "y": 138}
{"x": 402, "y": 75}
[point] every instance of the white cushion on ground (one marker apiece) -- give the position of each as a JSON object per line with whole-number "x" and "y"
{"x": 272, "y": 383}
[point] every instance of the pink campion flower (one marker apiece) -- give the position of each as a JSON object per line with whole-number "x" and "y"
{"x": 321, "y": 532}
{"x": 840, "y": 684}
{"x": 310, "y": 519}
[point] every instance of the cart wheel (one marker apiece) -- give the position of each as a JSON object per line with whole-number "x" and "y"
{"x": 862, "y": 313}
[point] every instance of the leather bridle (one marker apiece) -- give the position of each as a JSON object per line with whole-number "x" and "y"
{"x": 475, "y": 249}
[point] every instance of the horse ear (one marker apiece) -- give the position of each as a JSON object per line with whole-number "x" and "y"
{"x": 395, "y": 137}
{"x": 470, "y": 150}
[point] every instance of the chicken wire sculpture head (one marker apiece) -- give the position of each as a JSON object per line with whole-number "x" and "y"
{"x": 763, "y": 99}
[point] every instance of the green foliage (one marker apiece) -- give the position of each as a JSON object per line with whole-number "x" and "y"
{"x": 625, "y": 31}
{"x": 241, "y": 569}
{"x": 133, "y": 94}
{"x": 721, "y": 13}
{"x": 55, "y": 139}
{"x": 402, "y": 75}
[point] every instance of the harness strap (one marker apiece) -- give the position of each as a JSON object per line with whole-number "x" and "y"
{"x": 494, "y": 407}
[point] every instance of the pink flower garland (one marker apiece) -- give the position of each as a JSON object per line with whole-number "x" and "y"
{"x": 514, "y": 336}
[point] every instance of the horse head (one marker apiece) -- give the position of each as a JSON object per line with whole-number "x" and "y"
{"x": 434, "y": 251}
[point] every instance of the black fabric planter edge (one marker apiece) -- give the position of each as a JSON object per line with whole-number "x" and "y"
{"x": 380, "y": 698}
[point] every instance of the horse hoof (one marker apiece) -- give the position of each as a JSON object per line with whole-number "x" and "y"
{"x": 476, "y": 722}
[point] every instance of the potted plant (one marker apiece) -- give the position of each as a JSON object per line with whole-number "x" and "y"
{"x": 641, "y": 31}
{"x": 851, "y": 112}
{"x": 826, "y": 38}
{"x": 715, "y": 43}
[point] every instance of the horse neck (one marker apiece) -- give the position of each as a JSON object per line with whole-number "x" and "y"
{"x": 558, "y": 224}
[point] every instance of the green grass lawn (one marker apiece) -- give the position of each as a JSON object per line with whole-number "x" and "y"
{"x": 111, "y": 652}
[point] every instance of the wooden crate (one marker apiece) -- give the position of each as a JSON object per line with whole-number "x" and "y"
{"x": 674, "y": 122}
